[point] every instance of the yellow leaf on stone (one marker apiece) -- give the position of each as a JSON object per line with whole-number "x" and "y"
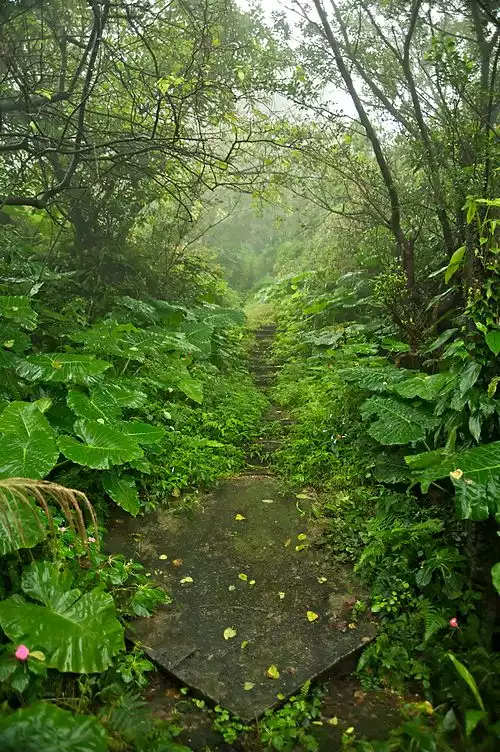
{"x": 352, "y": 625}
{"x": 272, "y": 672}
{"x": 280, "y": 696}
{"x": 287, "y": 542}
{"x": 244, "y": 644}
{"x": 252, "y": 582}
{"x": 317, "y": 723}
{"x": 248, "y": 686}
{"x": 232, "y": 587}
{"x": 333, "y": 721}
{"x": 243, "y": 577}
{"x": 301, "y": 536}
{"x": 281, "y": 595}
{"x": 268, "y": 501}
{"x": 239, "y": 517}
{"x": 300, "y": 548}
{"x": 186, "y": 580}
{"x": 163, "y": 557}
{"x": 312, "y": 616}
{"x": 350, "y": 730}
{"x": 321, "y": 580}
{"x": 229, "y": 633}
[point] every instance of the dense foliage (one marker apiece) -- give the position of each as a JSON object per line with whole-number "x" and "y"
{"x": 333, "y": 166}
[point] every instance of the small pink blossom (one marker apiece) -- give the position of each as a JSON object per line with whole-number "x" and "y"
{"x": 62, "y": 529}
{"x": 91, "y": 539}
{"x": 22, "y": 653}
{"x": 453, "y": 622}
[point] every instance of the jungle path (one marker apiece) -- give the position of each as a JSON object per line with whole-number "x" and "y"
{"x": 257, "y": 610}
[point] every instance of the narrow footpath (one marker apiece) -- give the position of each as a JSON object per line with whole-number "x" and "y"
{"x": 257, "y": 609}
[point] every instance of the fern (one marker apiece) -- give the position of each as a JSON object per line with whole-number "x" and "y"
{"x": 433, "y": 619}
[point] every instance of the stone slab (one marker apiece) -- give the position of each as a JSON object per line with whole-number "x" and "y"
{"x": 210, "y": 546}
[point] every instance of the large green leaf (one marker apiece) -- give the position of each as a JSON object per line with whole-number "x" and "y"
{"x": 480, "y": 464}
{"x": 122, "y": 489}
{"x": 21, "y": 524}
{"x": 493, "y": 340}
{"x": 455, "y": 263}
{"x": 77, "y": 633}
{"x": 18, "y": 309}
{"x": 12, "y": 338}
{"x": 120, "y": 393}
{"x": 28, "y": 448}
{"x": 133, "y": 343}
{"x": 61, "y": 367}
{"x": 43, "y": 727}
{"x": 191, "y": 387}
{"x": 424, "y": 386}
{"x": 97, "y": 406}
{"x": 142, "y": 433}
{"x": 102, "y": 446}
{"x": 495, "y": 576}
{"x": 469, "y": 376}
{"x": 377, "y": 379}
{"x": 199, "y": 334}
{"x": 397, "y": 422}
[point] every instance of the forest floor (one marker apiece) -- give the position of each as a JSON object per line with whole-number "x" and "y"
{"x": 258, "y": 611}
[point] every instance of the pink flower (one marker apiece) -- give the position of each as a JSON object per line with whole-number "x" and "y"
{"x": 22, "y": 653}
{"x": 62, "y": 529}
{"x": 453, "y": 622}
{"x": 91, "y": 539}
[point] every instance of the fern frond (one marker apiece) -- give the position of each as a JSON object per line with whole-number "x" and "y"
{"x": 433, "y": 619}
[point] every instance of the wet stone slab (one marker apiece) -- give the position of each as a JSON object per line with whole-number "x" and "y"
{"x": 267, "y": 610}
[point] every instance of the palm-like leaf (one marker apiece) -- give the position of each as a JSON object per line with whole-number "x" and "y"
{"x": 22, "y": 526}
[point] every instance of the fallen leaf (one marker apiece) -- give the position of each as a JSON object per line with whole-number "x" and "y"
{"x": 281, "y": 696}
{"x": 317, "y": 723}
{"x": 252, "y": 582}
{"x": 366, "y": 639}
{"x": 300, "y": 548}
{"x": 243, "y": 577}
{"x": 350, "y": 730}
{"x": 281, "y": 595}
{"x": 268, "y": 501}
{"x": 232, "y": 587}
{"x": 287, "y": 542}
{"x": 186, "y": 580}
{"x": 302, "y": 496}
{"x": 177, "y": 562}
{"x": 229, "y": 633}
{"x": 248, "y": 686}
{"x": 321, "y": 580}
{"x": 272, "y": 672}
{"x": 163, "y": 557}
{"x": 239, "y": 517}
{"x": 176, "y": 493}
{"x": 244, "y": 644}
{"x": 352, "y": 625}
{"x": 301, "y": 536}
{"x": 333, "y": 721}
{"x": 312, "y": 616}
